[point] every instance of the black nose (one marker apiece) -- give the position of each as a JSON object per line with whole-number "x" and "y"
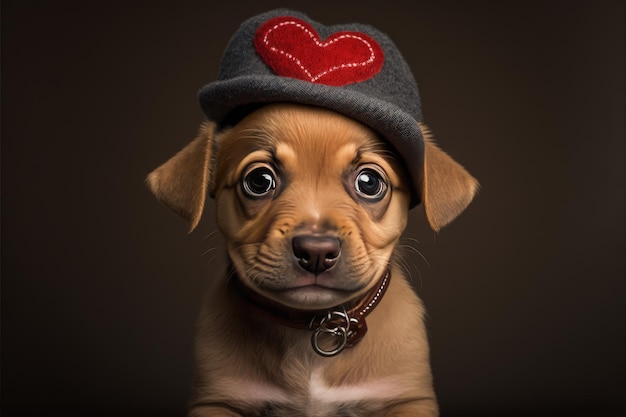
{"x": 316, "y": 254}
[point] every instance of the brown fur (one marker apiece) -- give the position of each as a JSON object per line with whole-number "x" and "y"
{"x": 248, "y": 365}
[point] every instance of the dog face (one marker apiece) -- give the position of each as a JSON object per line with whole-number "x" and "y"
{"x": 311, "y": 204}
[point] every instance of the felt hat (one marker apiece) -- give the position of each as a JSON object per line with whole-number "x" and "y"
{"x": 353, "y": 69}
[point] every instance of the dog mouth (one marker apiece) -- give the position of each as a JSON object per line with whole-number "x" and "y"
{"x": 313, "y": 282}
{"x": 311, "y": 291}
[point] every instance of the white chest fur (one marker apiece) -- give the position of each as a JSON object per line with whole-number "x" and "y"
{"x": 375, "y": 390}
{"x": 319, "y": 399}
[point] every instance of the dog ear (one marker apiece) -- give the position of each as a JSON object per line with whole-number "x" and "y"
{"x": 181, "y": 183}
{"x": 448, "y": 188}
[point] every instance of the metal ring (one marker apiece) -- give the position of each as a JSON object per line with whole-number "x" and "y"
{"x": 339, "y": 332}
{"x": 339, "y": 313}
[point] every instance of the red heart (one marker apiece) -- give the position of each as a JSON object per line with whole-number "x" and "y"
{"x": 292, "y": 48}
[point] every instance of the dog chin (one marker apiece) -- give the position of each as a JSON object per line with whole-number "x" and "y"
{"x": 311, "y": 297}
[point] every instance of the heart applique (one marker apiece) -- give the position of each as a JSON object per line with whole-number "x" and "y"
{"x": 292, "y": 48}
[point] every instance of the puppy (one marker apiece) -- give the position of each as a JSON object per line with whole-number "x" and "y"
{"x": 314, "y": 317}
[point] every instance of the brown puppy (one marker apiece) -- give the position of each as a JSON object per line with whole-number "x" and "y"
{"x": 311, "y": 204}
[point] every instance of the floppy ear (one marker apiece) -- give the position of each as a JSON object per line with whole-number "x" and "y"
{"x": 181, "y": 183}
{"x": 448, "y": 188}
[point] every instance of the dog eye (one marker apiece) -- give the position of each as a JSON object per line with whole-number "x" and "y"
{"x": 258, "y": 182}
{"x": 370, "y": 184}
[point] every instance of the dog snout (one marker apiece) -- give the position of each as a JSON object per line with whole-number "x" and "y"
{"x": 316, "y": 254}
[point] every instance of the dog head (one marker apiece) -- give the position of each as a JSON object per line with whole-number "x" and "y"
{"x": 311, "y": 203}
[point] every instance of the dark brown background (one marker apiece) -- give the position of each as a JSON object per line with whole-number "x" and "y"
{"x": 101, "y": 285}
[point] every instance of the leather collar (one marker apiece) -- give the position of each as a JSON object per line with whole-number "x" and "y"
{"x": 345, "y": 321}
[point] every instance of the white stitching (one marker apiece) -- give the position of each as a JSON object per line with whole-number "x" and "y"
{"x": 313, "y": 78}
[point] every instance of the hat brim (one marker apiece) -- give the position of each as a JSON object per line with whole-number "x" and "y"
{"x": 220, "y": 98}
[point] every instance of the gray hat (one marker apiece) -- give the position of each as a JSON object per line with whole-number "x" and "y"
{"x": 353, "y": 69}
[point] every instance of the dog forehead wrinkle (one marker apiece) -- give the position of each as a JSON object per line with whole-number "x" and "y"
{"x": 315, "y": 172}
{"x": 317, "y": 154}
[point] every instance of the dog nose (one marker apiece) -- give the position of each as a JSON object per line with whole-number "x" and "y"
{"x": 316, "y": 254}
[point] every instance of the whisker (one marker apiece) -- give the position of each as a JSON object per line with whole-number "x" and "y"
{"x": 214, "y": 241}
{"x": 208, "y": 251}
{"x": 407, "y": 262}
{"x": 211, "y": 235}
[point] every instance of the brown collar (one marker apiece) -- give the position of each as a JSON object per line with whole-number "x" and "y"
{"x": 345, "y": 323}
